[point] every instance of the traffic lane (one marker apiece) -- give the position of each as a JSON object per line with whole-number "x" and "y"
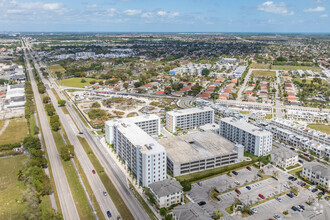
{"x": 95, "y": 182}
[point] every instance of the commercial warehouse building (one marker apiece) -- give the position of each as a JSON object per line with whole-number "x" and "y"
{"x": 199, "y": 151}
{"x": 188, "y": 118}
{"x": 142, "y": 154}
{"x": 255, "y": 140}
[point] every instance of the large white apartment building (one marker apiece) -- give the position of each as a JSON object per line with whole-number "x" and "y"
{"x": 312, "y": 134}
{"x": 188, "y": 118}
{"x": 255, "y": 140}
{"x": 142, "y": 154}
{"x": 317, "y": 173}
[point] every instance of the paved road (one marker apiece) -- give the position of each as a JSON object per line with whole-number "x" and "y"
{"x": 95, "y": 182}
{"x": 278, "y": 107}
{"x": 110, "y": 167}
{"x": 247, "y": 77}
{"x": 67, "y": 204}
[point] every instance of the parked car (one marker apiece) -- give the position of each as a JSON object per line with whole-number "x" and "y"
{"x": 321, "y": 193}
{"x": 299, "y": 209}
{"x": 314, "y": 190}
{"x": 277, "y": 216}
{"x": 105, "y": 193}
{"x": 200, "y": 183}
{"x": 278, "y": 199}
{"x": 93, "y": 171}
{"x": 290, "y": 195}
{"x": 302, "y": 207}
{"x": 237, "y": 183}
{"x": 300, "y": 161}
{"x": 249, "y": 168}
{"x": 237, "y": 191}
{"x": 254, "y": 210}
{"x": 248, "y": 187}
{"x": 201, "y": 203}
{"x": 235, "y": 173}
{"x": 303, "y": 184}
{"x": 286, "y": 186}
{"x": 109, "y": 214}
{"x": 294, "y": 208}
{"x": 261, "y": 196}
{"x": 292, "y": 149}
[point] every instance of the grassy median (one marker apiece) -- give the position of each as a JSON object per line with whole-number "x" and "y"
{"x": 114, "y": 194}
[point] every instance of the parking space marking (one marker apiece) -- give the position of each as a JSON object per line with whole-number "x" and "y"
{"x": 277, "y": 208}
{"x": 272, "y": 186}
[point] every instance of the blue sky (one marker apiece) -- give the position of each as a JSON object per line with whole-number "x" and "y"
{"x": 166, "y": 15}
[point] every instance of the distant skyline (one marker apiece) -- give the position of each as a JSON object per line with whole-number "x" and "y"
{"x": 291, "y": 16}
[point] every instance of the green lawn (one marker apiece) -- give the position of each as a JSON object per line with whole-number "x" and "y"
{"x": 113, "y": 193}
{"x": 259, "y": 66}
{"x": 320, "y": 127}
{"x": 75, "y": 82}
{"x": 16, "y": 131}
{"x": 2, "y": 122}
{"x": 11, "y": 190}
{"x": 263, "y": 73}
{"x": 56, "y": 68}
{"x": 288, "y": 67}
{"x": 308, "y": 81}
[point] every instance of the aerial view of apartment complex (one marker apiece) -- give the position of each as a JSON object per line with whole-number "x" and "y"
{"x": 165, "y": 110}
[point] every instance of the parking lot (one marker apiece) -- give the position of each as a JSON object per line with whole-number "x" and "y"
{"x": 268, "y": 187}
{"x": 200, "y": 191}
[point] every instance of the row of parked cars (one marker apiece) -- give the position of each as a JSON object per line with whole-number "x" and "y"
{"x": 298, "y": 208}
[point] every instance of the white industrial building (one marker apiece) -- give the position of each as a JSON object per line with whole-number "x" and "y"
{"x": 15, "y": 96}
{"x": 255, "y": 140}
{"x": 317, "y": 173}
{"x": 188, "y": 118}
{"x": 142, "y": 154}
{"x": 199, "y": 151}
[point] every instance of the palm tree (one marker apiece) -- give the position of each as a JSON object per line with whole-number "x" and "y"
{"x": 20, "y": 174}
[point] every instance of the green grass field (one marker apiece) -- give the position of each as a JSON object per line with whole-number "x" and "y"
{"x": 320, "y": 127}
{"x": 283, "y": 67}
{"x": 16, "y": 131}
{"x": 75, "y": 82}
{"x": 11, "y": 190}
{"x": 288, "y": 67}
{"x": 113, "y": 193}
{"x": 259, "y": 66}
{"x": 56, "y": 68}
{"x": 308, "y": 81}
{"x": 2, "y": 122}
{"x": 263, "y": 73}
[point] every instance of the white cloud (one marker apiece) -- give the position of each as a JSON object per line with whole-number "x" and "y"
{"x": 324, "y": 16}
{"x": 147, "y": 15}
{"x": 52, "y": 6}
{"x": 132, "y": 12}
{"x": 162, "y": 13}
{"x": 173, "y": 14}
{"x": 317, "y": 9}
{"x": 92, "y": 6}
{"x": 111, "y": 11}
{"x": 271, "y": 7}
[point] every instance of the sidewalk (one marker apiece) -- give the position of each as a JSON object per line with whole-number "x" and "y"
{"x": 129, "y": 178}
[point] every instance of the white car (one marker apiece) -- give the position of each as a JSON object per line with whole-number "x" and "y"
{"x": 254, "y": 210}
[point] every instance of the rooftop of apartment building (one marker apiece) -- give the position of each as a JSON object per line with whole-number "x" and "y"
{"x": 166, "y": 187}
{"x": 196, "y": 146}
{"x": 284, "y": 153}
{"x": 139, "y": 138}
{"x": 244, "y": 125}
{"x": 189, "y": 111}
{"x": 320, "y": 169}
{"x": 190, "y": 211}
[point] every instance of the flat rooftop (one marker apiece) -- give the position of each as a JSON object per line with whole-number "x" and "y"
{"x": 189, "y": 111}
{"x": 196, "y": 146}
{"x": 138, "y": 137}
{"x": 245, "y": 126}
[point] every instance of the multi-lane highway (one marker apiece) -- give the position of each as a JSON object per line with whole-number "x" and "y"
{"x": 66, "y": 201}
{"x": 110, "y": 166}
{"x": 105, "y": 202}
